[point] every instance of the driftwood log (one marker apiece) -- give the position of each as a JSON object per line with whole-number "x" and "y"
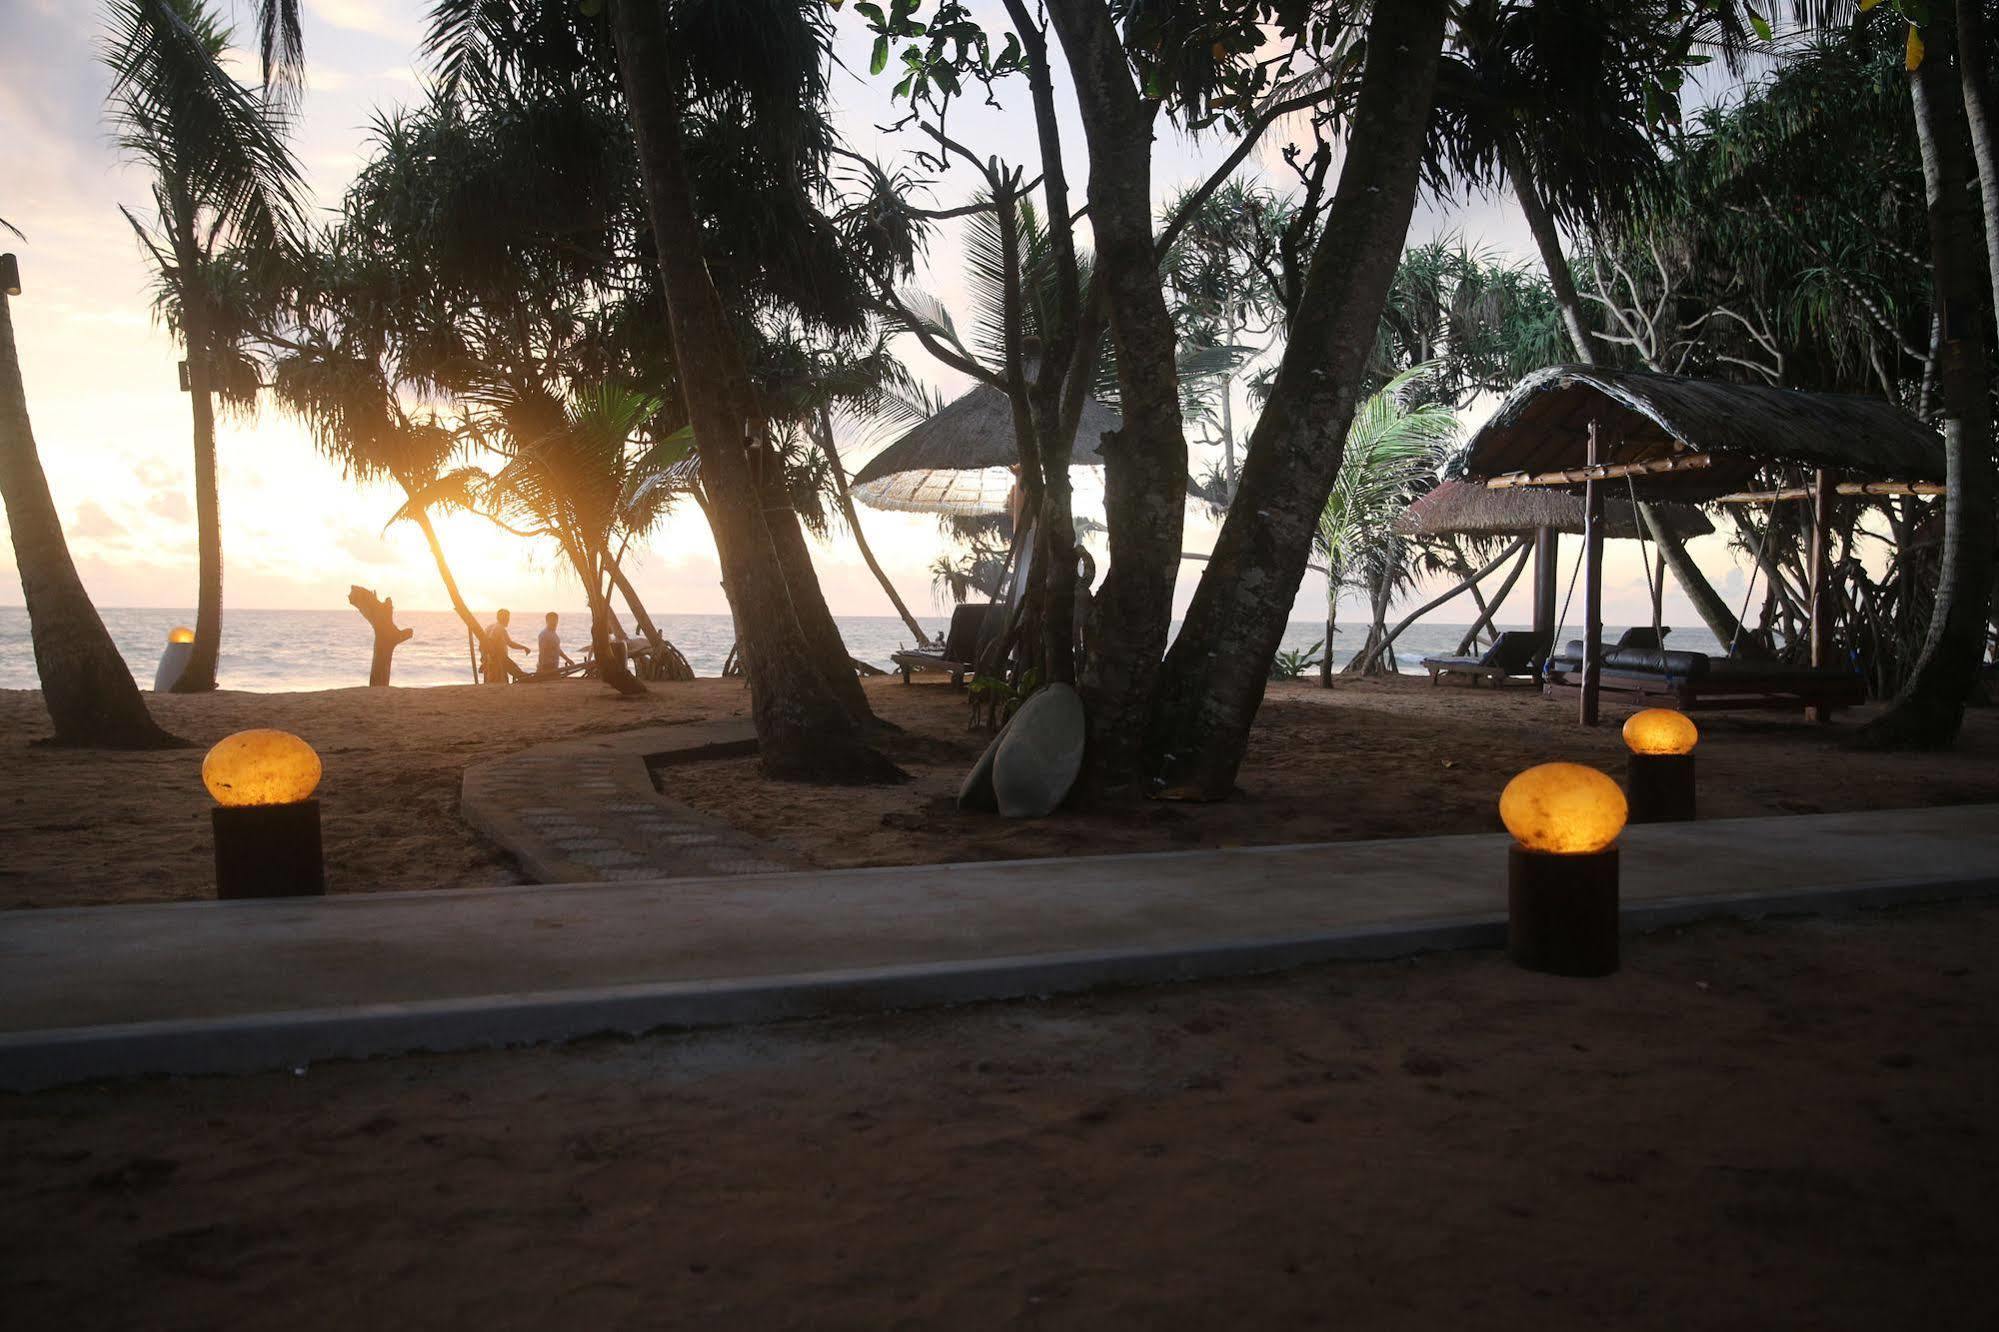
{"x": 380, "y": 613}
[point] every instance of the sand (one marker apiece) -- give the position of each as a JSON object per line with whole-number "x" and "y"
{"x": 1751, "y": 1127}
{"x": 1366, "y": 759}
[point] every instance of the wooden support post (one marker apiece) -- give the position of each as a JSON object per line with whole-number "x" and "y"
{"x": 1819, "y": 627}
{"x": 1547, "y": 557}
{"x": 1592, "y": 588}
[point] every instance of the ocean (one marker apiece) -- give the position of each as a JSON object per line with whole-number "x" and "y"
{"x": 277, "y": 650}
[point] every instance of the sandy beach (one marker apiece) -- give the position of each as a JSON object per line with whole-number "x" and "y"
{"x": 1366, "y": 759}
{"x": 1785, "y": 1125}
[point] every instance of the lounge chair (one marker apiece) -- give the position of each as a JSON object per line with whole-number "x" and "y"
{"x": 1692, "y": 681}
{"x": 1514, "y": 654}
{"x": 957, "y": 655}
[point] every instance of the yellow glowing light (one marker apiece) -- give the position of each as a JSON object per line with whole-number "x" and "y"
{"x": 181, "y": 635}
{"x": 260, "y": 768}
{"x": 1661, "y": 731}
{"x": 1564, "y": 808}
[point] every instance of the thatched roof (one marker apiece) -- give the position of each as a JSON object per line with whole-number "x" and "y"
{"x": 1543, "y": 426}
{"x": 1466, "y": 508}
{"x": 956, "y": 461}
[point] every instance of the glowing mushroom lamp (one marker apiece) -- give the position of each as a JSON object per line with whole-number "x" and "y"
{"x": 266, "y": 821}
{"x": 180, "y": 646}
{"x": 1660, "y": 780}
{"x": 1561, "y": 885}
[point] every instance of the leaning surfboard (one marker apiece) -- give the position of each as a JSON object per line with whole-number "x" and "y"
{"x": 1039, "y": 755}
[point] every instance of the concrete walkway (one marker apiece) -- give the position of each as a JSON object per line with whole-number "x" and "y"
{"x": 219, "y": 986}
{"x": 572, "y": 811}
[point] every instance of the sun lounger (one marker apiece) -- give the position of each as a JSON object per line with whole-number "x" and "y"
{"x": 1514, "y": 654}
{"x": 957, "y": 655}
{"x": 1692, "y": 681}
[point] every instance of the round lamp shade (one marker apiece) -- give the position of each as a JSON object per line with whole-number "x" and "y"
{"x": 1563, "y": 809}
{"x": 1661, "y": 731}
{"x": 183, "y": 634}
{"x": 261, "y": 768}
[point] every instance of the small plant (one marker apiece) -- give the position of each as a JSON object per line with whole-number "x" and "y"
{"x": 994, "y": 699}
{"x": 1291, "y": 665}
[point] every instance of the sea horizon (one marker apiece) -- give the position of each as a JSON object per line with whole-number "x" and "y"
{"x": 285, "y": 651}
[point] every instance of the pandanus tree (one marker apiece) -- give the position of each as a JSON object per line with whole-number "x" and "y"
{"x": 86, "y": 686}
{"x": 1393, "y": 447}
{"x": 226, "y": 204}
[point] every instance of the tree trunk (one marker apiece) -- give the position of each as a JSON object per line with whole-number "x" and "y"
{"x": 1332, "y": 627}
{"x": 421, "y": 517}
{"x": 380, "y": 613}
{"x": 1930, "y": 708}
{"x": 1214, "y": 677}
{"x": 1389, "y": 638}
{"x": 1145, "y": 462}
{"x": 667, "y": 663}
{"x": 807, "y": 719}
{"x": 1549, "y": 241}
{"x": 1975, "y": 77}
{"x": 823, "y": 436}
{"x": 203, "y": 662}
{"x": 1706, "y": 601}
{"x": 86, "y": 686}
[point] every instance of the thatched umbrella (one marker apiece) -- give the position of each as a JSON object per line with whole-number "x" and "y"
{"x": 959, "y": 460}
{"x": 1466, "y": 508}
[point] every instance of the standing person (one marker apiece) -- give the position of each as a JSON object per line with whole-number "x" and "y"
{"x": 495, "y": 647}
{"x": 550, "y": 653}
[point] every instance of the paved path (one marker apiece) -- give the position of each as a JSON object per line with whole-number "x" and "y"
{"x": 220, "y": 986}
{"x": 586, "y": 809}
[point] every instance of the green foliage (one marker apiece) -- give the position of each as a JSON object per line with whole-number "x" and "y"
{"x": 997, "y": 698}
{"x": 1294, "y": 664}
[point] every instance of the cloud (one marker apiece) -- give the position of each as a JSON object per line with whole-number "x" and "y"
{"x": 368, "y": 548}
{"x": 171, "y": 505}
{"x": 93, "y": 523}
{"x": 377, "y": 18}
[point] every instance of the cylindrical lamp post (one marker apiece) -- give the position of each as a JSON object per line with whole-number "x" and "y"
{"x": 266, "y": 821}
{"x": 1660, "y": 779}
{"x": 1561, "y": 888}
{"x": 180, "y": 646}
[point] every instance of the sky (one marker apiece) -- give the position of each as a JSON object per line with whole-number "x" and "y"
{"x": 113, "y": 430}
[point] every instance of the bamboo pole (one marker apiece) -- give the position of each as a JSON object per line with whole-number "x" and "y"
{"x": 1594, "y": 471}
{"x": 1592, "y": 586}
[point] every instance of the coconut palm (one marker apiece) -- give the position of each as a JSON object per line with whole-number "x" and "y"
{"x": 86, "y": 685}
{"x": 1392, "y": 448}
{"x": 226, "y": 203}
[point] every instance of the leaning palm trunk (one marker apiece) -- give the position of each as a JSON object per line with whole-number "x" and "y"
{"x": 1707, "y": 603}
{"x": 1930, "y": 708}
{"x": 822, "y": 435}
{"x": 1214, "y": 676}
{"x": 86, "y": 685}
{"x": 666, "y": 661}
{"x": 807, "y": 706}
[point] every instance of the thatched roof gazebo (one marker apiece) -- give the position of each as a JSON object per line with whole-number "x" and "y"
{"x": 1677, "y": 438}
{"x": 1643, "y": 436}
{"x": 959, "y": 460}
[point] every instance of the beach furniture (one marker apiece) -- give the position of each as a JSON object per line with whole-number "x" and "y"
{"x": 1515, "y": 654}
{"x": 1693, "y": 681}
{"x": 957, "y": 655}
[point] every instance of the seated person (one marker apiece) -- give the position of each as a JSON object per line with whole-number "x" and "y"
{"x": 549, "y": 647}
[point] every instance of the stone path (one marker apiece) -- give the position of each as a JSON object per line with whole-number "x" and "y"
{"x": 196, "y": 987}
{"x": 586, "y": 809}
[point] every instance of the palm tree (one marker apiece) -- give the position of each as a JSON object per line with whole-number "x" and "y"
{"x": 1392, "y": 448}
{"x": 86, "y": 685}
{"x": 227, "y": 201}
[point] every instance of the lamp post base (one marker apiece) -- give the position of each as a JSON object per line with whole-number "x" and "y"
{"x": 268, "y": 851}
{"x": 1660, "y": 788}
{"x": 1561, "y": 912}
